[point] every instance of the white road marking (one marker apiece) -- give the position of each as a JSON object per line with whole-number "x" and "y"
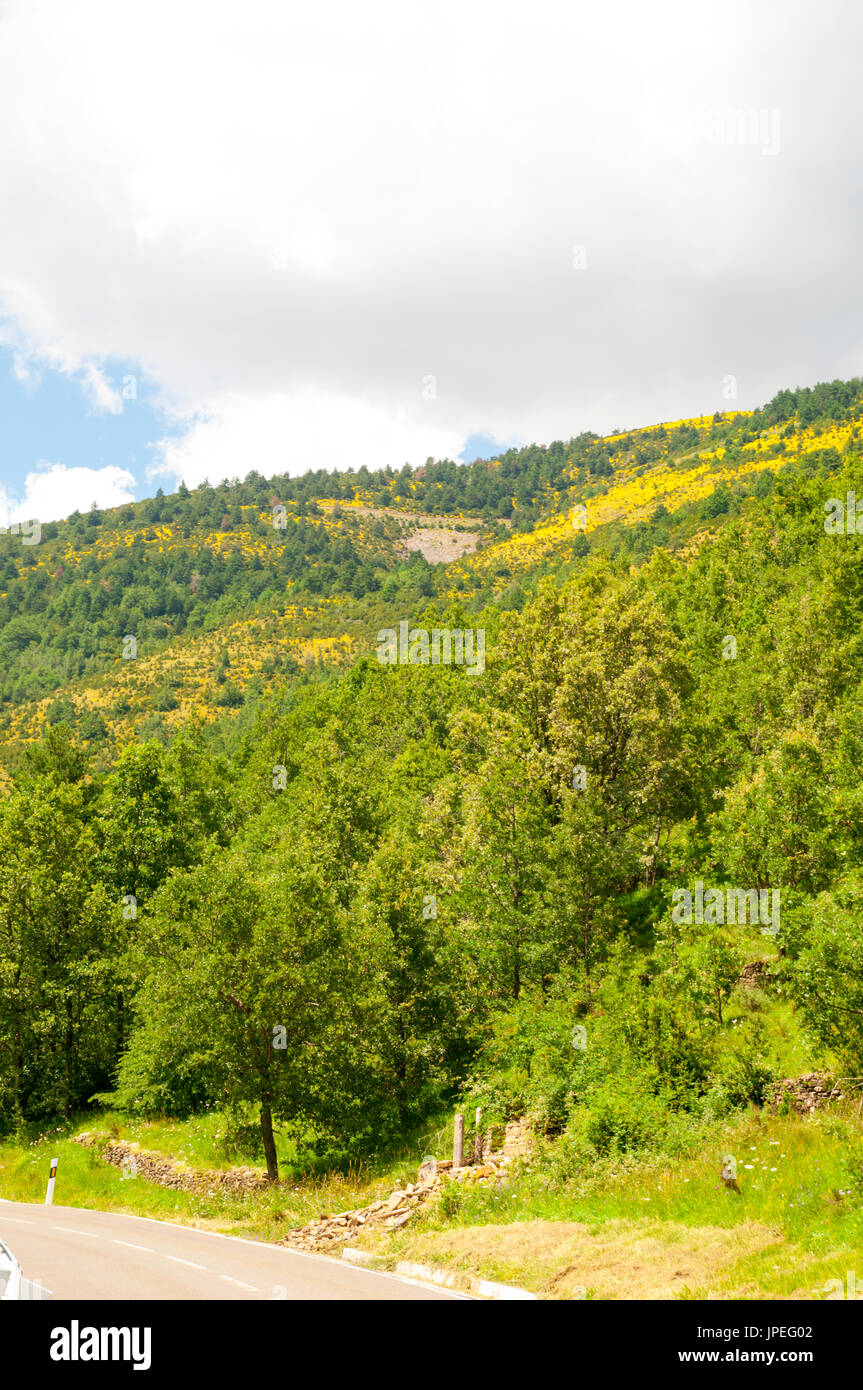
{"x": 239, "y": 1282}
{"x": 72, "y": 1232}
{"x": 145, "y": 1248}
{"x": 305, "y": 1255}
{"x": 190, "y": 1263}
{"x": 279, "y": 1251}
{"x": 18, "y": 1220}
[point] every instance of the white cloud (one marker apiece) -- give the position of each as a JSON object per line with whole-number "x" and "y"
{"x": 102, "y": 395}
{"x": 290, "y": 434}
{"x": 290, "y": 215}
{"x": 37, "y": 342}
{"x": 55, "y": 490}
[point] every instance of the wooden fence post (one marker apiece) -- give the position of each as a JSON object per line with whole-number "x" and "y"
{"x": 458, "y": 1143}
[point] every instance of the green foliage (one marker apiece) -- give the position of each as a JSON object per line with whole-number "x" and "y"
{"x": 745, "y": 1074}
{"x": 623, "y": 1116}
{"x": 827, "y": 978}
{"x": 458, "y": 884}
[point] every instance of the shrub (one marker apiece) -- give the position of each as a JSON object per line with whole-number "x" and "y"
{"x": 625, "y": 1115}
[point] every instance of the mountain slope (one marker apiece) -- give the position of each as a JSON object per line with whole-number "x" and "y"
{"x": 227, "y": 590}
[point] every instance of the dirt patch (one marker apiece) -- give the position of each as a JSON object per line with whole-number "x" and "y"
{"x": 438, "y": 545}
{"x": 435, "y": 537}
{"x": 621, "y": 1260}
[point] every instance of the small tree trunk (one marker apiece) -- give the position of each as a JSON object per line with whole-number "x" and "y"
{"x": 17, "y": 1071}
{"x": 458, "y": 1144}
{"x": 68, "y": 1062}
{"x": 477, "y": 1138}
{"x": 269, "y": 1142}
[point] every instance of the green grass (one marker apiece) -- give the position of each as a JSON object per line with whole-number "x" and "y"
{"x": 636, "y": 1224}
{"x": 801, "y": 1184}
{"x": 570, "y": 1225}
{"x": 85, "y": 1179}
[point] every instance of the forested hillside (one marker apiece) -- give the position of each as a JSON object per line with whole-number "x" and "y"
{"x": 382, "y": 887}
{"x": 229, "y": 591}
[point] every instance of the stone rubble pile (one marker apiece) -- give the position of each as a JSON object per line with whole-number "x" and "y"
{"x": 755, "y": 973}
{"x": 806, "y": 1093}
{"x": 329, "y": 1233}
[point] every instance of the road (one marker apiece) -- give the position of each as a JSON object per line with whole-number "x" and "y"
{"x": 81, "y": 1254}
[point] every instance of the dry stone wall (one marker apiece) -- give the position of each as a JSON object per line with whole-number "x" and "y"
{"x": 168, "y": 1172}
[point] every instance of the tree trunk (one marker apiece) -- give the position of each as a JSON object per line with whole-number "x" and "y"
{"x": 269, "y": 1142}
{"x": 68, "y": 1062}
{"x": 401, "y": 1071}
{"x": 17, "y": 1070}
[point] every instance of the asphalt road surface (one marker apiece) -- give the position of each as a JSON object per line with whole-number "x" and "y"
{"x": 80, "y": 1254}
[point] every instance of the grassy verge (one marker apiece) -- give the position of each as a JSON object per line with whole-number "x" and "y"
{"x": 86, "y": 1180}
{"x": 665, "y": 1228}
{"x": 627, "y": 1227}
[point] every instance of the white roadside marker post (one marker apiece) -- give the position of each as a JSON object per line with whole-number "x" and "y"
{"x": 49, "y": 1195}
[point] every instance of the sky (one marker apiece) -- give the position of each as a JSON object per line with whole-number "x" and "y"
{"x": 277, "y": 236}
